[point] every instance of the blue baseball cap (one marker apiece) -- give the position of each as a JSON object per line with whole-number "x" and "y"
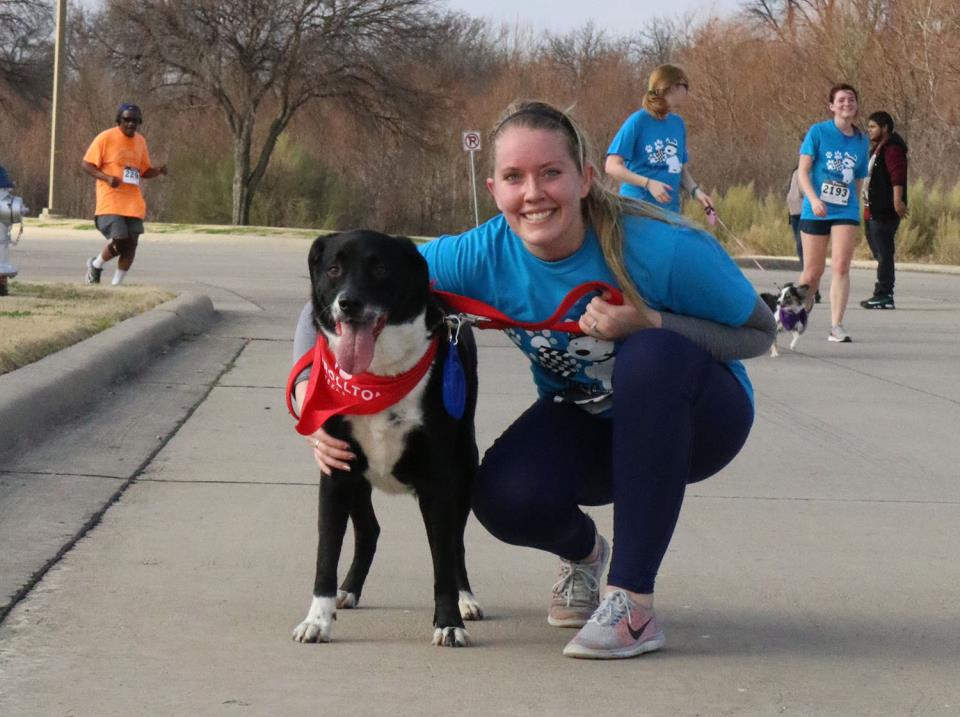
{"x": 128, "y": 107}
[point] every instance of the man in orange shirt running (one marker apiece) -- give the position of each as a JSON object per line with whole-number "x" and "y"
{"x": 118, "y": 160}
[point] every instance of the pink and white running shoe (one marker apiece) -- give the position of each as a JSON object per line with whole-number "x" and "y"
{"x": 618, "y": 628}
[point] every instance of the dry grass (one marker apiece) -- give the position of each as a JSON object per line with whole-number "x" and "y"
{"x": 40, "y": 319}
{"x": 931, "y": 233}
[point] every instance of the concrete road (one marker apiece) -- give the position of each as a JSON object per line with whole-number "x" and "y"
{"x": 817, "y": 575}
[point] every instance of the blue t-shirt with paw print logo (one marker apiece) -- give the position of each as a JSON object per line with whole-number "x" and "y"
{"x": 839, "y": 161}
{"x": 653, "y": 148}
{"x": 675, "y": 267}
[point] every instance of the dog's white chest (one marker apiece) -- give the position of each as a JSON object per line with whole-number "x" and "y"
{"x": 383, "y": 438}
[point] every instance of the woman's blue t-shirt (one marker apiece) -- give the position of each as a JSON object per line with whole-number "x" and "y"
{"x": 676, "y": 268}
{"x": 838, "y": 161}
{"x": 652, "y": 148}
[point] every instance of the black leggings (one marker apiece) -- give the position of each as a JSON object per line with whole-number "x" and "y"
{"x": 679, "y": 416}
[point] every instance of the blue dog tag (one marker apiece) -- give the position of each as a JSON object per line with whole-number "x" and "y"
{"x": 454, "y": 384}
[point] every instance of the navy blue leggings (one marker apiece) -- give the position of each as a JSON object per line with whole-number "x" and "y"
{"x": 679, "y": 416}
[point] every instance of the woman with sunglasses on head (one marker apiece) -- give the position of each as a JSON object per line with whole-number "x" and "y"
{"x": 647, "y": 397}
{"x": 833, "y": 164}
{"x": 649, "y": 153}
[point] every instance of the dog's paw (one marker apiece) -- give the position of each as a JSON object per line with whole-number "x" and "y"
{"x": 346, "y": 600}
{"x": 774, "y": 351}
{"x": 793, "y": 341}
{"x": 318, "y": 622}
{"x": 451, "y": 637}
{"x": 469, "y": 607}
{"x": 308, "y": 631}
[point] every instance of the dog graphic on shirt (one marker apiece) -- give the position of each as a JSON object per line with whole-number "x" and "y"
{"x": 842, "y": 163}
{"x": 674, "y": 166}
{"x": 847, "y": 166}
{"x": 598, "y": 357}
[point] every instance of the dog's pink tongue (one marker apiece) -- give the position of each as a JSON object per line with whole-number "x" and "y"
{"x": 355, "y": 348}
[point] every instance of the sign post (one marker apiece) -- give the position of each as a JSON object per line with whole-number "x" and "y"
{"x": 471, "y": 144}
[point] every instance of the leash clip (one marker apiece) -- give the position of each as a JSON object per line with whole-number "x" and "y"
{"x": 454, "y": 324}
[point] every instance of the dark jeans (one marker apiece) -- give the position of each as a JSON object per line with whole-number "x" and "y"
{"x": 880, "y": 235}
{"x": 795, "y": 227}
{"x": 679, "y": 416}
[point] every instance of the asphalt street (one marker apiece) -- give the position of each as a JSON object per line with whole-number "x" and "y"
{"x": 160, "y": 549}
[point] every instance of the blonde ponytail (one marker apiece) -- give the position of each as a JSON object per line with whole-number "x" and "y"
{"x": 655, "y": 104}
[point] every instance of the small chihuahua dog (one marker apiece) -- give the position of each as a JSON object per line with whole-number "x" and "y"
{"x": 789, "y": 307}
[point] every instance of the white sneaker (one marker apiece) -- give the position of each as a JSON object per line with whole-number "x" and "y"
{"x": 838, "y": 335}
{"x": 576, "y": 594}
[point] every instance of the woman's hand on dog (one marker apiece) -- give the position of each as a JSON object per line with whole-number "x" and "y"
{"x": 604, "y": 320}
{"x": 328, "y": 452}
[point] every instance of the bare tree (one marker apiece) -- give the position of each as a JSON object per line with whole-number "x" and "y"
{"x": 26, "y": 58}
{"x": 578, "y": 53}
{"x": 661, "y": 40}
{"x": 267, "y": 59}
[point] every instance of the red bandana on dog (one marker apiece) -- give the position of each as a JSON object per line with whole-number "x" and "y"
{"x": 331, "y": 391}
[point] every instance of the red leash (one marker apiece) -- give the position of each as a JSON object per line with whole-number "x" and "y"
{"x": 491, "y": 318}
{"x": 330, "y": 392}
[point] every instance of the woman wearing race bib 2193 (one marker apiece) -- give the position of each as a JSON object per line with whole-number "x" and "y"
{"x": 833, "y": 164}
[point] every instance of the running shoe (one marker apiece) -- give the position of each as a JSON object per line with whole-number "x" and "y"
{"x": 576, "y": 593}
{"x": 93, "y": 273}
{"x": 619, "y": 628}
{"x": 838, "y": 335}
{"x": 879, "y": 301}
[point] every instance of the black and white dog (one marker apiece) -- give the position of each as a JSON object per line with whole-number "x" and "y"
{"x": 790, "y": 310}
{"x": 372, "y": 302}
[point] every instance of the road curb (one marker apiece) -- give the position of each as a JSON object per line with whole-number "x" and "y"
{"x": 792, "y": 263}
{"x": 61, "y": 386}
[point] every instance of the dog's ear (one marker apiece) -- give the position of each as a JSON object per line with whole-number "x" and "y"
{"x": 316, "y": 268}
{"x": 420, "y": 273}
{"x": 804, "y": 287}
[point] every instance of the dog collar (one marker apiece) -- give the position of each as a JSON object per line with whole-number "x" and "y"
{"x": 332, "y": 391}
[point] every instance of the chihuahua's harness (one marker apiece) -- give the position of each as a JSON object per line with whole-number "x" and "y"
{"x": 331, "y": 391}
{"x": 792, "y": 320}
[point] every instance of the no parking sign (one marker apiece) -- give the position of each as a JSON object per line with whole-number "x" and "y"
{"x": 471, "y": 144}
{"x": 471, "y": 141}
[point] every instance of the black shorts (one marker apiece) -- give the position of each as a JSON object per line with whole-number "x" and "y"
{"x": 114, "y": 226}
{"x": 821, "y": 227}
